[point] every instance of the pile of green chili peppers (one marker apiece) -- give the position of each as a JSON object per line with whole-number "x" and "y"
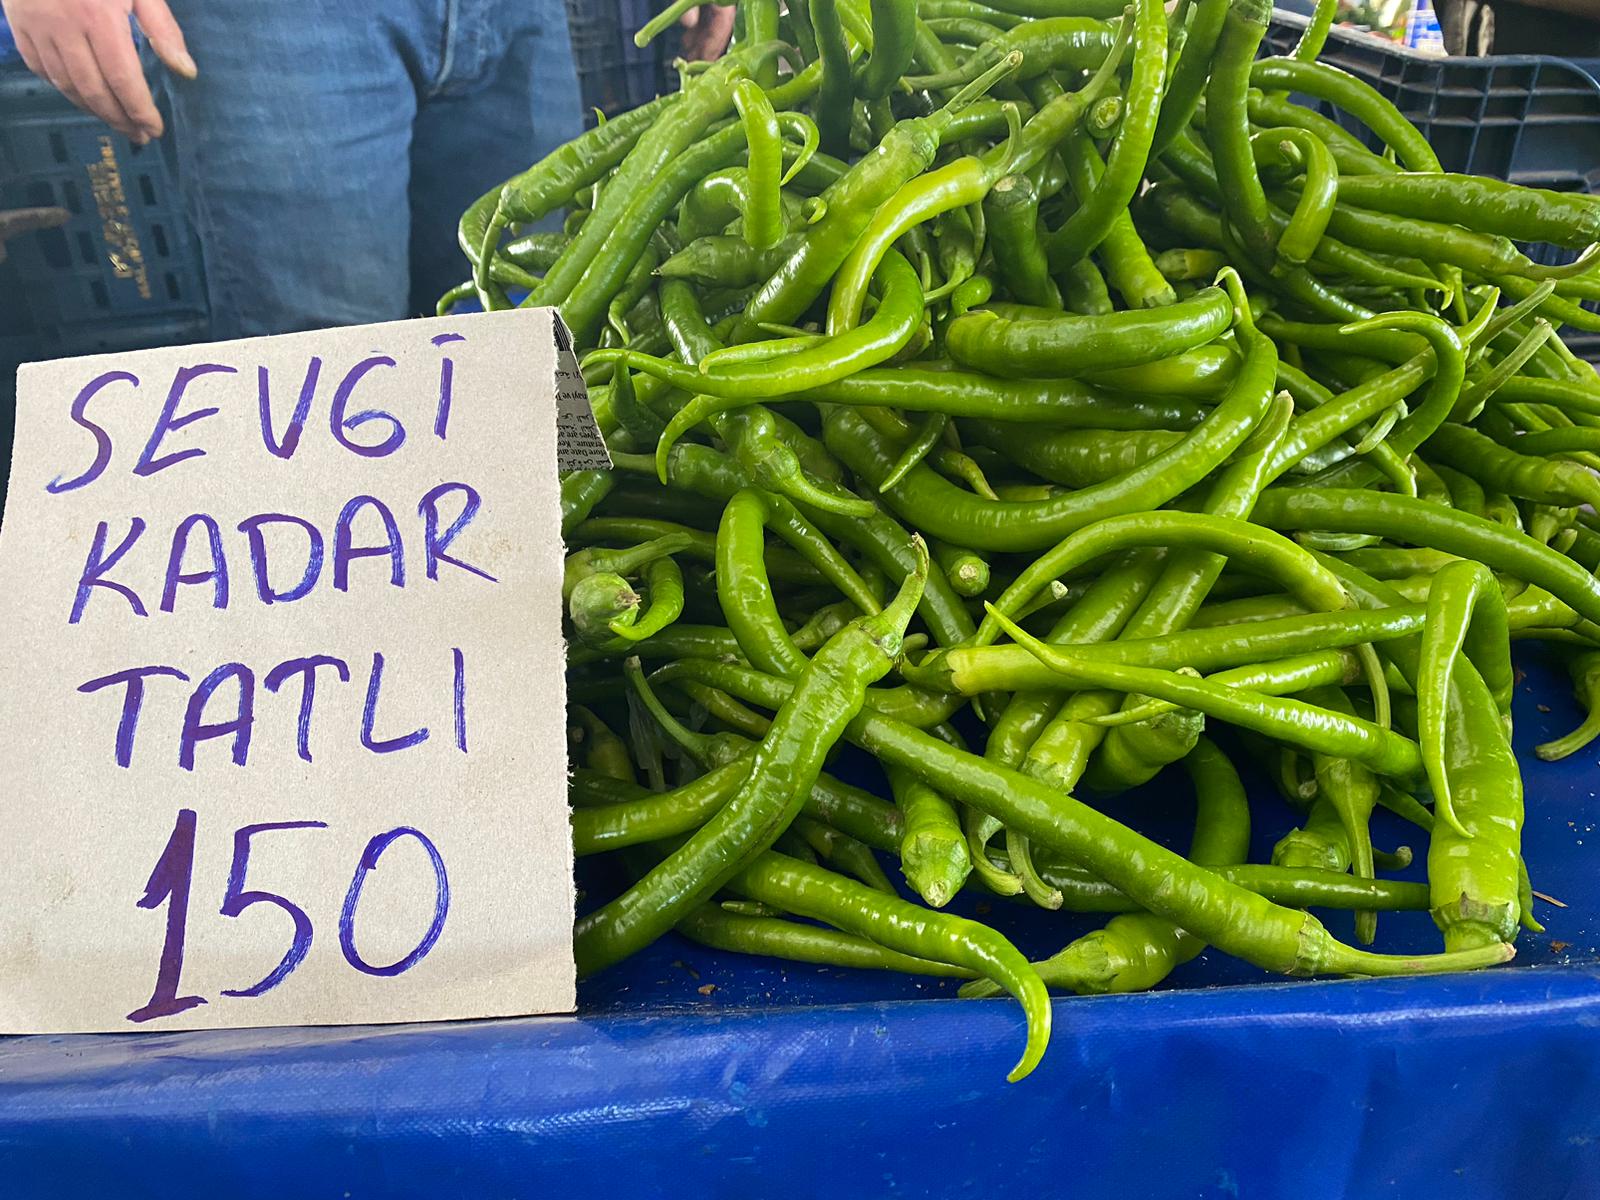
{"x": 1032, "y": 395}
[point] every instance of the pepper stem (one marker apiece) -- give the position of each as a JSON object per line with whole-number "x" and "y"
{"x": 698, "y": 745}
{"x": 1339, "y": 959}
{"x": 888, "y": 627}
{"x": 1228, "y": 279}
{"x": 1577, "y": 266}
{"x": 1474, "y": 398}
{"x": 982, "y": 85}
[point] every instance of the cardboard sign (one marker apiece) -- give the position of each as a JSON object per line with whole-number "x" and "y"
{"x": 282, "y": 703}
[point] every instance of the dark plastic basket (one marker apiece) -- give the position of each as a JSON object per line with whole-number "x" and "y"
{"x": 613, "y": 73}
{"x": 1532, "y": 119}
{"x": 126, "y": 262}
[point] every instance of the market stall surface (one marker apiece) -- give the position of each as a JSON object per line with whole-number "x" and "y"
{"x": 695, "y": 1072}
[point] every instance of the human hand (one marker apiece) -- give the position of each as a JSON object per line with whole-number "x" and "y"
{"x": 85, "y": 49}
{"x": 706, "y": 31}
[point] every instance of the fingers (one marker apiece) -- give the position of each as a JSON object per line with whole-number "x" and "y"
{"x": 90, "y": 90}
{"x": 119, "y": 64}
{"x": 719, "y": 31}
{"x": 166, "y": 38}
{"x": 707, "y": 35}
{"x": 690, "y": 19}
{"x": 30, "y": 56}
{"x": 93, "y": 63}
{"x": 55, "y": 71}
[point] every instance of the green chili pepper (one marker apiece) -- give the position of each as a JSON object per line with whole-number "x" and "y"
{"x": 1318, "y": 196}
{"x": 1132, "y": 754}
{"x": 963, "y": 31}
{"x": 1434, "y": 241}
{"x": 658, "y": 152}
{"x": 712, "y": 204}
{"x": 957, "y": 250}
{"x": 1349, "y": 152}
{"x": 1105, "y": 115}
{"x": 1084, "y": 290}
{"x": 1188, "y": 80}
{"x": 1228, "y": 128}
{"x": 1191, "y": 219}
{"x": 827, "y": 694}
{"x": 1063, "y": 403}
{"x": 1500, "y": 549}
{"x": 843, "y": 853}
{"x": 1186, "y": 265}
{"x": 601, "y": 604}
{"x": 907, "y": 928}
{"x": 763, "y": 219}
{"x": 834, "y": 95}
{"x": 1208, "y": 371}
{"x": 744, "y": 588}
{"x": 1476, "y": 881}
{"x": 711, "y": 926}
{"x": 933, "y": 853}
{"x": 1585, "y": 671}
{"x": 1354, "y": 96}
{"x": 851, "y": 202}
{"x": 1287, "y": 720}
{"x": 945, "y": 512}
{"x": 664, "y": 587}
{"x": 1128, "y": 265}
{"x": 1244, "y": 543}
{"x": 1031, "y": 346}
{"x": 605, "y": 752}
{"x": 932, "y": 10}
{"x": 1543, "y": 480}
{"x": 554, "y": 180}
{"x": 1486, "y": 205}
{"x": 897, "y": 318}
{"x": 1283, "y": 677}
{"x": 1191, "y": 896}
{"x": 958, "y": 184}
{"x": 597, "y": 559}
{"x": 966, "y": 570}
{"x": 1351, "y": 790}
{"x": 580, "y": 492}
{"x": 1321, "y": 844}
{"x": 1077, "y": 457}
{"x": 645, "y": 816}
{"x": 1137, "y": 951}
{"x": 1098, "y": 211}
{"x": 1046, "y": 45}
{"x": 1012, "y": 208}
{"x": 973, "y": 670}
{"x": 1022, "y": 734}
{"x": 1231, "y": 919}
{"x": 1466, "y": 614}
{"x": 1293, "y": 887}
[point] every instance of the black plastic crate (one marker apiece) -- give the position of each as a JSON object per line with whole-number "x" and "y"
{"x": 1527, "y": 118}
{"x": 126, "y": 260}
{"x": 613, "y": 73}
{"x": 1531, "y": 119}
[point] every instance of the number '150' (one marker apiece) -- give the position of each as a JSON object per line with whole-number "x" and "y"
{"x": 169, "y": 884}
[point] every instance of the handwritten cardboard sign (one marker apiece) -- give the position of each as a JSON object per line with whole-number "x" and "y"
{"x": 281, "y": 707}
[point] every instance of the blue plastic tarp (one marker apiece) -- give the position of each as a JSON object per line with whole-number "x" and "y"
{"x": 691, "y": 1072}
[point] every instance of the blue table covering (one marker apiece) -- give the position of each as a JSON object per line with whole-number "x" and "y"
{"x": 692, "y": 1072}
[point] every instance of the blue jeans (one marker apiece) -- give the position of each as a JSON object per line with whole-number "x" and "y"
{"x": 328, "y": 147}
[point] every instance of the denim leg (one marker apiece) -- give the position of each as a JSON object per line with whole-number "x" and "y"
{"x": 294, "y": 154}
{"x": 509, "y": 97}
